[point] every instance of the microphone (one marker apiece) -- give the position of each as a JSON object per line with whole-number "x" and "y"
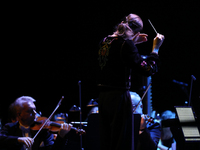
{"x": 180, "y": 83}
{"x": 193, "y": 77}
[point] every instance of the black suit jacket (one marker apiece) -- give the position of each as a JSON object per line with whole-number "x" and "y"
{"x": 11, "y": 131}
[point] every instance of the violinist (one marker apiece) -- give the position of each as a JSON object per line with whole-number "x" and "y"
{"x": 118, "y": 57}
{"x": 19, "y": 135}
{"x": 12, "y": 113}
{"x": 150, "y": 131}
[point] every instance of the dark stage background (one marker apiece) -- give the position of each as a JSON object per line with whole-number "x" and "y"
{"x": 48, "y": 47}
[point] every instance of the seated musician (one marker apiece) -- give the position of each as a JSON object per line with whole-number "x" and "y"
{"x": 18, "y": 135}
{"x": 150, "y": 132}
{"x": 167, "y": 141}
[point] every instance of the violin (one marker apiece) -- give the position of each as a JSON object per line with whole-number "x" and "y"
{"x": 45, "y": 123}
{"x": 53, "y": 126}
{"x": 148, "y": 119}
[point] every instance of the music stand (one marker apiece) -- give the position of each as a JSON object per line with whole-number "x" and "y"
{"x": 187, "y": 133}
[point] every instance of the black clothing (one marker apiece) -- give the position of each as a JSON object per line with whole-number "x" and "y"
{"x": 168, "y": 142}
{"x": 115, "y": 120}
{"x": 11, "y": 131}
{"x": 117, "y": 58}
{"x": 149, "y": 138}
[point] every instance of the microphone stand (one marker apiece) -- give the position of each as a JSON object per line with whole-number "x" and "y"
{"x": 79, "y": 84}
{"x": 192, "y": 79}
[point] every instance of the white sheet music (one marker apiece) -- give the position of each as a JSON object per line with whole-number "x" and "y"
{"x": 190, "y": 131}
{"x": 185, "y": 114}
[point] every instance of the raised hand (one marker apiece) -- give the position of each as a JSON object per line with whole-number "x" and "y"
{"x": 157, "y": 42}
{"x": 139, "y": 38}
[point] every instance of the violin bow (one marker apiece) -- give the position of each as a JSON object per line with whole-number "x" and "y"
{"x": 59, "y": 103}
{"x": 142, "y": 97}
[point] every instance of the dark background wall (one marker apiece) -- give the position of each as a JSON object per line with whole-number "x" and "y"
{"x": 48, "y": 47}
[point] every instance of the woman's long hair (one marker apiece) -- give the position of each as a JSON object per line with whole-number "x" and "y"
{"x": 129, "y": 27}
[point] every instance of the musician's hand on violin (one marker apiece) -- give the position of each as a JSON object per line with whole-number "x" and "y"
{"x": 143, "y": 123}
{"x": 26, "y": 140}
{"x": 139, "y": 38}
{"x": 157, "y": 42}
{"x": 64, "y": 129}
